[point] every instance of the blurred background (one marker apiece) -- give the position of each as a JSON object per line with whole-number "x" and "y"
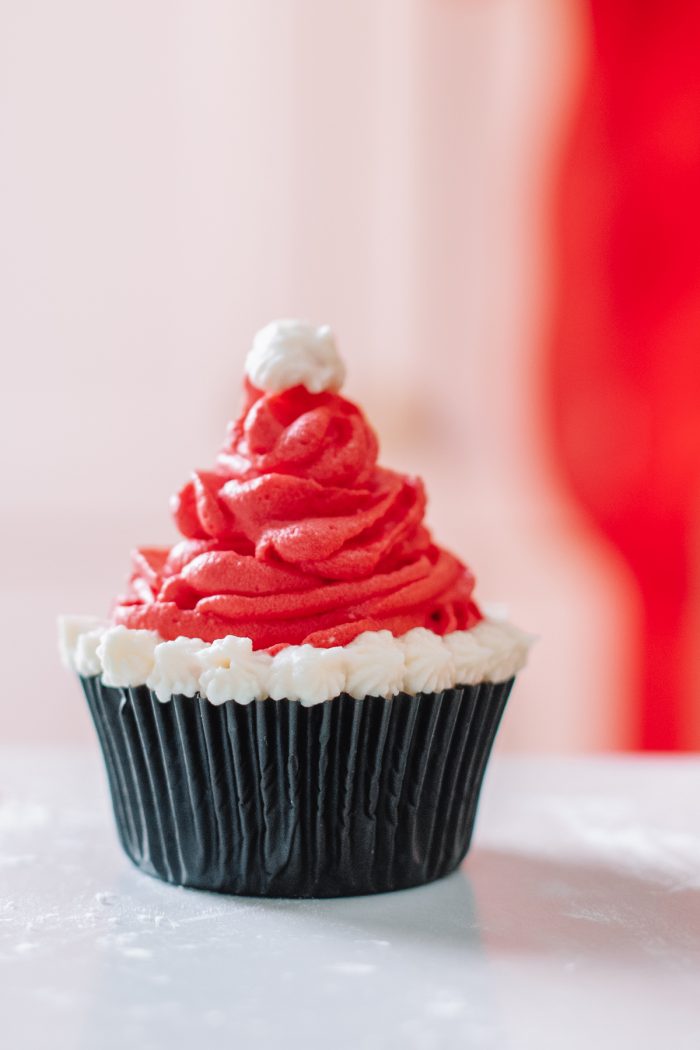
{"x": 495, "y": 205}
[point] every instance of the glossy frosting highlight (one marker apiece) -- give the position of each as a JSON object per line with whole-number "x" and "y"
{"x": 297, "y": 535}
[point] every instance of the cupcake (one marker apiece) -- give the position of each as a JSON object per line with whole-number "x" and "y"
{"x": 298, "y": 698}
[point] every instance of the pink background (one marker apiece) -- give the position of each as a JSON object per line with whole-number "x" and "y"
{"x": 173, "y": 176}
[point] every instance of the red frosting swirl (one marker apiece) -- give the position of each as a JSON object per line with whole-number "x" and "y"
{"x": 297, "y": 535}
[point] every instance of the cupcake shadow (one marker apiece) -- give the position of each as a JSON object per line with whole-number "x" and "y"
{"x": 535, "y": 905}
{"x": 441, "y": 914}
{"x": 501, "y": 903}
{"x": 187, "y": 960}
{"x": 182, "y": 965}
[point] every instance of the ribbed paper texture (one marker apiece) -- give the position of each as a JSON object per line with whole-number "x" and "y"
{"x": 275, "y": 799}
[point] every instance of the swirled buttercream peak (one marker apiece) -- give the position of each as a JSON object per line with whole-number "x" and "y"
{"x": 297, "y": 535}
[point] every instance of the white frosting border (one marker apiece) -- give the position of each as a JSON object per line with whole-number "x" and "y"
{"x": 374, "y": 664}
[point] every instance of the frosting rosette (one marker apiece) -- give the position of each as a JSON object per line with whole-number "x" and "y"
{"x": 297, "y": 535}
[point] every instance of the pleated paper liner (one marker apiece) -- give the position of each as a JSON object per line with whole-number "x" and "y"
{"x": 275, "y": 799}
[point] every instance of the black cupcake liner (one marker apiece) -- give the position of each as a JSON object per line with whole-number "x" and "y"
{"x": 275, "y": 799}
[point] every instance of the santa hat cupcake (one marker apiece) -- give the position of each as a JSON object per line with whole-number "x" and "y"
{"x": 300, "y": 696}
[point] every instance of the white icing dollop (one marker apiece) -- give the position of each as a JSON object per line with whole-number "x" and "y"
{"x": 70, "y": 631}
{"x": 86, "y": 658}
{"x": 469, "y": 657}
{"x": 176, "y": 668}
{"x": 127, "y": 656}
{"x": 233, "y": 670}
{"x": 376, "y": 665}
{"x": 291, "y": 353}
{"x": 308, "y": 674}
{"x": 506, "y": 647}
{"x": 429, "y": 663}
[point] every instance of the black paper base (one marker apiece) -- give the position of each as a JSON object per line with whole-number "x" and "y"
{"x": 278, "y": 800}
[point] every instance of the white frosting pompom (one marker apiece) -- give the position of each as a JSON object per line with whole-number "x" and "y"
{"x": 429, "y": 663}
{"x": 233, "y": 670}
{"x": 376, "y": 665}
{"x": 127, "y": 656}
{"x": 176, "y": 668}
{"x": 292, "y": 353}
{"x": 308, "y": 674}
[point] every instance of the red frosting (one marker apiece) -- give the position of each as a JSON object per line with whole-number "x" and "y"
{"x": 297, "y": 535}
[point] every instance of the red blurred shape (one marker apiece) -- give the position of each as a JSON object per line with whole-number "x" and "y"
{"x": 626, "y": 368}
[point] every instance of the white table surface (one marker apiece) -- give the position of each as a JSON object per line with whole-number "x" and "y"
{"x": 575, "y": 922}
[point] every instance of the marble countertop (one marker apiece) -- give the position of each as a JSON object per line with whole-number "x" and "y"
{"x": 574, "y": 922}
